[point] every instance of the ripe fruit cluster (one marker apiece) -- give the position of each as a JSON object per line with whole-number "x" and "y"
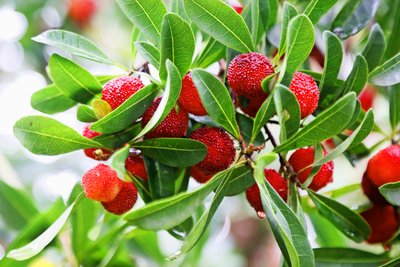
{"x": 82, "y": 11}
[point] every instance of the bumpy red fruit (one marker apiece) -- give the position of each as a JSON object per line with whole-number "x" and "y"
{"x": 306, "y": 91}
{"x": 95, "y": 153}
{"x": 366, "y": 97}
{"x": 200, "y": 175}
{"x": 174, "y": 125}
{"x": 372, "y": 191}
{"x": 118, "y": 90}
{"x": 247, "y": 71}
{"x": 101, "y": 183}
{"x": 384, "y": 166}
{"x": 189, "y": 98}
{"x": 304, "y": 157}
{"x": 135, "y": 165}
{"x": 250, "y": 106}
{"x": 382, "y": 221}
{"x": 82, "y": 11}
{"x": 276, "y": 181}
{"x": 124, "y": 201}
{"x": 220, "y": 149}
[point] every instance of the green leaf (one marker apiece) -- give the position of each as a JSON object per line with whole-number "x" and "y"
{"x": 73, "y": 43}
{"x": 175, "y": 152}
{"x": 177, "y": 44}
{"x": 246, "y": 125}
{"x": 391, "y": 191}
{"x": 51, "y": 100}
{"x": 392, "y": 263}
{"x": 346, "y": 12}
{"x": 117, "y": 161}
{"x": 216, "y": 99}
{"x": 328, "y": 257}
{"x": 300, "y": 41}
{"x": 329, "y": 123}
{"x": 221, "y": 22}
{"x": 128, "y": 112}
{"x": 359, "y": 18}
{"x": 394, "y": 39}
{"x": 388, "y": 73}
{"x": 317, "y": 8}
{"x": 375, "y": 48}
{"x": 168, "y": 101}
{"x": 101, "y": 108}
{"x": 212, "y": 52}
{"x": 36, "y": 246}
{"x": 257, "y": 18}
{"x": 288, "y": 111}
{"x": 286, "y": 227}
{"x": 241, "y": 181}
{"x": 394, "y": 106}
{"x": 347, "y": 221}
{"x": 332, "y": 63}
{"x": 16, "y": 208}
{"x": 149, "y": 53}
{"x": 265, "y": 112}
{"x": 146, "y": 15}
{"x": 85, "y": 114}
{"x": 358, "y": 76}
{"x": 46, "y": 136}
{"x": 73, "y": 80}
{"x": 289, "y": 12}
{"x": 118, "y": 139}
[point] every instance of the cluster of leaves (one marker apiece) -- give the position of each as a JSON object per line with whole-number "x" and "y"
{"x": 166, "y": 41}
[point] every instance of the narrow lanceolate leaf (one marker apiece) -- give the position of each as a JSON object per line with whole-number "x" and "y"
{"x": 85, "y": 114}
{"x": 394, "y": 106}
{"x": 300, "y": 41}
{"x": 348, "y": 257}
{"x": 288, "y": 111}
{"x": 289, "y": 12}
{"x": 358, "y": 76}
{"x": 73, "y": 80}
{"x": 388, "y": 73}
{"x": 347, "y": 221}
{"x": 221, "y": 22}
{"x": 146, "y": 15}
{"x": 273, "y": 12}
{"x": 391, "y": 191}
{"x": 149, "y": 52}
{"x": 129, "y": 111}
{"x": 168, "y": 101}
{"x": 285, "y": 225}
{"x": 73, "y": 43}
{"x": 37, "y": 245}
{"x": 175, "y": 152}
{"x": 345, "y": 13}
{"x": 216, "y": 100}
{"x": 117, "y": 161}
{"x": 241, "y": 180}
{"x": 46, "y": 136}
{"x": 317, "y": 8}
{"x": 364, "y": 12}
{"x": 212, "y": 52}
{"x": 392, "y": 263}
{"x": 265, "y": 112}
{"x": 329, "y": 123}
{"x": 256, "y": 16}
{"x": 332, "y": 63}
{"x": 177, "y": 44}
{"x": 375, "y": 48}
{"x": 246, "y": 127}
{"x": 394, "y": 39}
{"x": 51, "y": 100}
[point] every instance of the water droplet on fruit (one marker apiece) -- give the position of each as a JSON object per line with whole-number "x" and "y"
{"x": 261, "y": 214}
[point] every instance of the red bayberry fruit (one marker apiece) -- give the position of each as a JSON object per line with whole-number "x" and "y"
{"x": 82, "y": 11}
{"x": 372, "y": 191}
{"x": 220, "y": 149}
{"x": 276, "y": 181}
{"x": 135, "y": 165}
{"x": 250, "y": 106}
{"x": 95, "y": 153}
{"x": 306, "y": 91}
{"x": 247, "y": 71}
{"x": 101, "y": 183}
{"x": 189, "y": 98}
{"x": 200, "y": 175}
{"x": 118, "y": 90}
{"x": 124, "y": 201}
{"x": 384, "y": 166}
{"x": 174, "y": 125}
{"x": 304, "y": 157}
{"x": 366, "y": 97}
{"x": 382, "y": 221}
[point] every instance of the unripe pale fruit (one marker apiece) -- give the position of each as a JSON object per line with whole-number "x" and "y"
{"x": 135, "y": 165}
{"x": 384, "y": 166}
{"x": 118, "y": 90}
{"x": 174, "y": 125}
{"x": 189, "y": 98}
{"x": 124, "y": 201}
{"x": 306, "y": 91}
{"x": 95, "y": 153}
{"x": 247, "y": 71}
{"x": 304, "y": 157}
{"x": 200, "y": 175}
{"x": 101, "y": 183}
{"x": 276, "y": 181}
{"x": 82, "y": 11}
{"x": 250, "y": 106}
{"x": 220, "y": 149}
{"x": 382, "y": 221}
{"x": 372, "y": 191}
{"x": 366, "y": 97}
